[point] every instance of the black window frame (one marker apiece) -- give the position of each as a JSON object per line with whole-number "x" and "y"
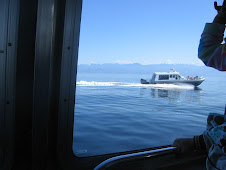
{"x": 55, "y": 66}
{"x": 68, "y": 160}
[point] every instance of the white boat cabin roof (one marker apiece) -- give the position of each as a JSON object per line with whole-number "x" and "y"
{"x": 172, "y": 71}
{"x": 166, "y": 73}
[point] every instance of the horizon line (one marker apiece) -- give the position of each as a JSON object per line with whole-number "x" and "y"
{"x": 195, "y": 64}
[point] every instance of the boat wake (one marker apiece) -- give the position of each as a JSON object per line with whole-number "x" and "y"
{"x": 124, "y": 84}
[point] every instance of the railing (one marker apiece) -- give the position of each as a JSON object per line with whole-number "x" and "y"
{"x": 131, "y": 157}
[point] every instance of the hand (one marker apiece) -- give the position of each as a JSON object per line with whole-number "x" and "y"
{"x": 221, "y": 16}
{"x": 184, "y": 145}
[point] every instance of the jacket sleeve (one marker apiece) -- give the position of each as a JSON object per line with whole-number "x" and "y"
{"x": 199, "y": 143}
{"x": 211, "y": 51}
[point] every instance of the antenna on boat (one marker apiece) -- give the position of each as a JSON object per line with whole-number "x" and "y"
{"x": 172, "y": 70}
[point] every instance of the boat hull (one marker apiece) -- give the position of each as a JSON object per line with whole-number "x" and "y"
{"x": 192, "y": 82}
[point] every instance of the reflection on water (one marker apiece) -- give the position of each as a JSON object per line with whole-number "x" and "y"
{"x": 162, "y": 93}
{"x": 173, "y": 95}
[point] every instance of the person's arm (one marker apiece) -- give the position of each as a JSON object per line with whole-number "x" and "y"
{"x": 185, "y": 145}
{"x": 199, "y": 143}
{"x": 211, "y": 51}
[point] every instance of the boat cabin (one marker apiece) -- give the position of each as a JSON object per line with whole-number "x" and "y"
{"x": 163, "y": 76}
{"x": 172, "y": 77}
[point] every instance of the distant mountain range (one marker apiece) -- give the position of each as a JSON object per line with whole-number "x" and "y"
{"x": 136, "y": 68}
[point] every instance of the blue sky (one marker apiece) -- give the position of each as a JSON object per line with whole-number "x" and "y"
{"x": 143, "y": 31}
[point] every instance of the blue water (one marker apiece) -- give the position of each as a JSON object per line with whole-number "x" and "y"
{"x": 115, "y": 113}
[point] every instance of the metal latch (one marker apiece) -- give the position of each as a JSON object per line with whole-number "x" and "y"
{"x": 1, "y": 51}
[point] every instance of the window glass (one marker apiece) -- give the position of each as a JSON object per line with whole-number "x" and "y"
{"x": 163, "y": 77}
{"x": 122, "y": 41}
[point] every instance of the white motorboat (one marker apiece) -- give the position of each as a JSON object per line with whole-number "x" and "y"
{"x": 172, "y": 77}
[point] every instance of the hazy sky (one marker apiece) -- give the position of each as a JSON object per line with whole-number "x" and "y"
{"x": 143, "y": 31}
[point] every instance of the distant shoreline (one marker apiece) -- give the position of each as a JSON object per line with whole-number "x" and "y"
{"x": 186, "y": 69}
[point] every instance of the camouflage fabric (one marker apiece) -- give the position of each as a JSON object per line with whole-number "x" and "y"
{"x": 215, "y": 140}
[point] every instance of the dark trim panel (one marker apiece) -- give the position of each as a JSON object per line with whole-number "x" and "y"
{"x": 11, "y": 79}
{"x": 47, "y": 64}
{"x": 4, "y": 7}
{"x": 8, "y": 56}
{"x": 67, "y": 83}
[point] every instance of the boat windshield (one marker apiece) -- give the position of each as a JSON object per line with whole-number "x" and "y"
{"x": 163, "y": 77}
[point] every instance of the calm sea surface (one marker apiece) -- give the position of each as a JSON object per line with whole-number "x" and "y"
{"x": 115, "y": 113}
